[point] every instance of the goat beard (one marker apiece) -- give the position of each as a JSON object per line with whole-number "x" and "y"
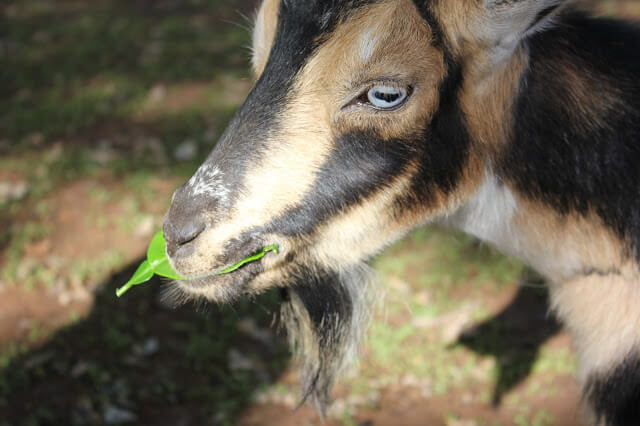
{"x": 326, "y": 314}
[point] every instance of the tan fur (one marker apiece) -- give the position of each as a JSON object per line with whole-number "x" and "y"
{"x": 580, "y": 90}
{"x": 493, "y": 97}
{"x": 264, "y": 30}
{"x": 347, "y": 239}
{"x": 402, "y": 53}
{"x": 562, "y": 246}
{"x": 601, "y": 312}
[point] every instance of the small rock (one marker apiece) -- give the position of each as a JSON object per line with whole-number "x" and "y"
{"x": 238, "y": 361}
{"x": 145, "y": 227}
{"x": 64, "y": 298}
{"x": 114, "y": 415}
{"x": 151, "y": 346}
{"x": 186, "y": 151}
{"x": 13, "y": 191}
{"x": 104, "y": 153}
{"x": 157, "y": 94}
{"x": 38, "y": 360}
{"x": 80, "y": 369}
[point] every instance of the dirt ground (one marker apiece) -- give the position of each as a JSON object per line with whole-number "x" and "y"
{"x": 112, "y": 105}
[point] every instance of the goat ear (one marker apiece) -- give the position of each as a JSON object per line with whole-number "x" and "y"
{"x": 509, "y": 21}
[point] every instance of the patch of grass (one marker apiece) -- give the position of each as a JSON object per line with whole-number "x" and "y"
{"x": 65, "y": 69}
{"x": 555, "y": 361}
{"x": 10, "y": 352}
{"x": 540, "y": 418}
{"x": 19, "y": 237}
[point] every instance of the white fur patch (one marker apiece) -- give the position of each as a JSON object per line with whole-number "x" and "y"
{"x": 207, "y": 181}
{"x": 489, "y": 215}
{"x": 368, "y": 43}
{"x": 492, "y": 215}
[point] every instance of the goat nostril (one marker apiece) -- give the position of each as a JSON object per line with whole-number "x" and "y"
{"x": 184, "y": 233}
{"x": 190, "y": 232}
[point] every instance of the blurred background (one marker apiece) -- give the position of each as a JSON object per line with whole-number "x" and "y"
{"x": 106, "y": 106}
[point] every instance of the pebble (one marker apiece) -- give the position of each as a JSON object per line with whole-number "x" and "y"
{"x": 238, "y": 361}
{"x": 114, "y": 415}
{"x": 145, "y": 227}
{"x": 186, "y": 151}
{"x": 151, "y": 346}
{"x": 104, "y": 152}
{"x": 80, "y": 369}
{"x": 13, "y": 191}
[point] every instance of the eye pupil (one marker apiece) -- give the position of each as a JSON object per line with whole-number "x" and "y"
{"x": 386, "y": 97}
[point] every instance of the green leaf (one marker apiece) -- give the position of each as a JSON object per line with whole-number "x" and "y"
{"x": 164, "y": 269}
{"x": 142, "y": 275}
{"x": 156, "y": 253}
{"x": 249, "y": 259}
{"x": 157, "y": 257}
{"x": 158, "y": 263}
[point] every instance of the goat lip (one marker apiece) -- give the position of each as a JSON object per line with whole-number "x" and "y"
{"x": 237, "y": 279}
{"x": 254, "y": 258}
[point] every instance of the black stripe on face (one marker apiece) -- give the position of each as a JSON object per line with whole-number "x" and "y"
{"x": 615, "y": 397}
{"x": 359, "y": 165}
{"x": 444, "y": 150}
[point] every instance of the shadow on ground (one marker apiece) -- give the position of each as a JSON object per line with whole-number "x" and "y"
{"x": 514, "y": 337}
{"x": 135, "y": 360}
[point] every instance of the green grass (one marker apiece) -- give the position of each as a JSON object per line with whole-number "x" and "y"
{"x": 66, "y": 69}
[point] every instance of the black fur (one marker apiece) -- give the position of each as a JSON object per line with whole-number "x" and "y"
{"x": 446, "y": 144}
{"x": 322, "y": 296}
{"x": 616, "y": 396}
{"x": 444, "y": 150}
{"x": 561, "y": 154}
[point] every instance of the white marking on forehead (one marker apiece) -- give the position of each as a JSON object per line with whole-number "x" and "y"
{"x": 207, "y": 180}
{"x": 368, "y": 43}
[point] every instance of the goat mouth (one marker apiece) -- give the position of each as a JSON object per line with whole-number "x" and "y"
{"x": 236, "y": 274}
{"x": 249, "y": 259}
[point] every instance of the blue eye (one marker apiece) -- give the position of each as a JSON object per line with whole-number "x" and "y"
{"x": 386, "y": 97}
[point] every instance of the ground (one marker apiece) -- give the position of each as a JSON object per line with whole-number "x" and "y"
{"x": 105, "y": 108}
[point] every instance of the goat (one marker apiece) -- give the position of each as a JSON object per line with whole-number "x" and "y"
{"x": 516, "y": 121}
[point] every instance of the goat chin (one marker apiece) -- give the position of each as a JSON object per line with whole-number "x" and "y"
{"x": 326, "y": 315}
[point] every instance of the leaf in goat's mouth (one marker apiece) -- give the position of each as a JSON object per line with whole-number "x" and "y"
{"x": 249, "y": 259}
{"x": 157, "y": 263}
